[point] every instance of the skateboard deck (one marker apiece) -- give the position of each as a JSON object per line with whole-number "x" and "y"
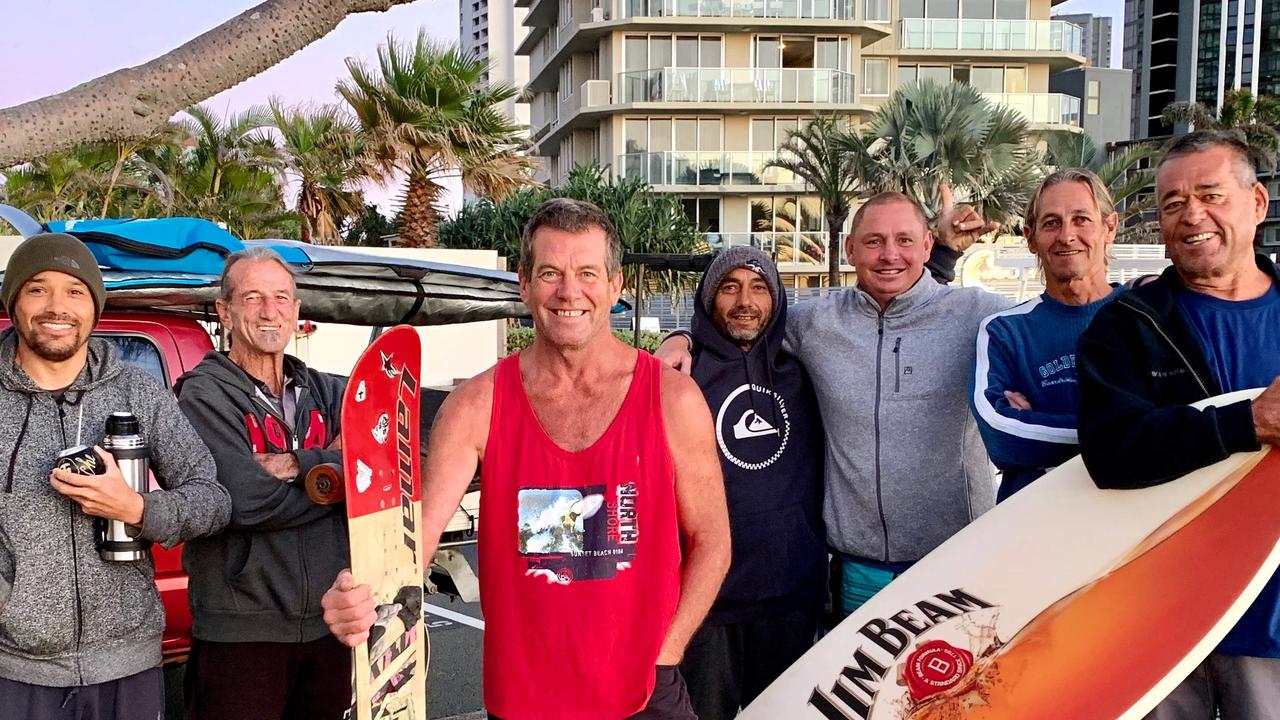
{"x": 1065, "y": 602}
{"x": 380, "y": 458}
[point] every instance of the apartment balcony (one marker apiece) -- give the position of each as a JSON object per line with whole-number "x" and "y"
{"x": 771, "y": 9}
{"x": 736, "y": 85}
{"x": 805, "y": 249}
{"x": 1041, "y": 108}
{"x": 1056, "y": 41}
{"x": 709, "y": 169}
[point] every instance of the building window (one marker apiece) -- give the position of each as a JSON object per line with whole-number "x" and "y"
{"x": 1091, "y": 97}
{"x": 875, "y": 76}
{"x": 875, "y": 10}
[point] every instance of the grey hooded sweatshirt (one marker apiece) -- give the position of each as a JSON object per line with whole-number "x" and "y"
{"x": 905, "y": 465}
{"x": 67, "y": 617}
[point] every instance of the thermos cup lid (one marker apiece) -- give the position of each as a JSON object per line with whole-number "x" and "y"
{"x": 122, "y": 423}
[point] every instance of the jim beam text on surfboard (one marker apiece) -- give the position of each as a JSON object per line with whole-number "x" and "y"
{"x": 854, "y": 692}
{"x": 405, "y": 453}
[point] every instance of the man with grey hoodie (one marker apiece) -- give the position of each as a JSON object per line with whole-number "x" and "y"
{"x": 80, "y": 635}
{"x": 890, "y": 361}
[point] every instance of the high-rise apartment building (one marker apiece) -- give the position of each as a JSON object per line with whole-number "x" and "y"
{"x": 492, "y": 30}
{"x": 1198, "y": 50}
{"x": 695, "y": 96}
{"x": 1096, "y": 40}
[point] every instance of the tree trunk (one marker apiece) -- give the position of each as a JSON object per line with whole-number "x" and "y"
{"x": 419, "y": 217}
{"x": 136, "y": 101}
{"x": 834, "y": 224}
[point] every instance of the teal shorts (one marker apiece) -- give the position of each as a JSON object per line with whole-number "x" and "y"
{"x": 858, "y": 582}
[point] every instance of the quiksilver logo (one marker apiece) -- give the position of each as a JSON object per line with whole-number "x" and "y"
{"x": 756, "y": 419}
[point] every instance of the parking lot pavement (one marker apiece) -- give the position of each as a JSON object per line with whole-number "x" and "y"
{"x": 453, "y": 678}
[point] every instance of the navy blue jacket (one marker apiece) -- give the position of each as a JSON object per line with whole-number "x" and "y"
{"x": 770, "y": 442}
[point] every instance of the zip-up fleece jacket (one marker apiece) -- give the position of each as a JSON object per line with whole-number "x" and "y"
{"x": 1139, "y": 365}
{"x": 769, "y": 436}
{"x": 905, "y": 466}
{"x": 262, "y": 579}
{"x": 67, "y": 617}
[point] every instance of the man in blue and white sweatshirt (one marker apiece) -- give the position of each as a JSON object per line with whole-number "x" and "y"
{"x": 1024, "y": 393}
{"x": 769, "y": 435}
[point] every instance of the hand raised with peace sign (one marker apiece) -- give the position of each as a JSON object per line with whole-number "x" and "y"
{"x": 959, "y": 227}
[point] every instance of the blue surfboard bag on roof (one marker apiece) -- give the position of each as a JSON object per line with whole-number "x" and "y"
{"x": 188, "y": 245}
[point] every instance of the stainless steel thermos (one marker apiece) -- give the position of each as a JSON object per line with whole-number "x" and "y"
{"x": 116, "y": 540}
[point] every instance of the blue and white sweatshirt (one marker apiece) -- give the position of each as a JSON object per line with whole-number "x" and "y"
{"x": 1030, "y": 349}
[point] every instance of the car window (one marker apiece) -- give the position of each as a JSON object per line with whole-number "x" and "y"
{"x": 141, "y": 353}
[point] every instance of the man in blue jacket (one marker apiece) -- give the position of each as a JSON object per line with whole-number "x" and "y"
{"x": 769, "y": 434}
{"x": 1024, "y": 393}
{"x": 1210, "y": 324}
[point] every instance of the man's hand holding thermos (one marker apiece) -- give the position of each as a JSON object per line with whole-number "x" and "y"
{"x": 107, "y": 483}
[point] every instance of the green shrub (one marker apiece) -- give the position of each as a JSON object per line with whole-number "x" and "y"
{"x": 519, "y": 338}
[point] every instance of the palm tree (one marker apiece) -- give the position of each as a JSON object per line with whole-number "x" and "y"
{"x": 427, "y": 112}
{"x": 1122, "y": 172}
{"x": 322, "y": 152}
{"x": 1254, "y": 118}
{"x": 929, "y": 134}
{"x": 833, "y": 163}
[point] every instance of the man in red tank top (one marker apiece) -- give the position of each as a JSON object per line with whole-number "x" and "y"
{"x": 606, "y": 535}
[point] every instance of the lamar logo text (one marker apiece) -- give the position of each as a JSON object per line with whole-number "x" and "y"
{"x": 852, "y": 695}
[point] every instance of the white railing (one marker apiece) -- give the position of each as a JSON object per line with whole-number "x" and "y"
{"x": 1030, "y": 35}
{"x": 792, "y": 9}
{"x": 745, "y": 85}
{"x": 805, "y": 248}
{"x": 1041, "y": 108}
{"x": 707, "y": 167}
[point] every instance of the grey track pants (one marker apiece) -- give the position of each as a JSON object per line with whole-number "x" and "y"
{"x": 1225, "y": 686}
{"x": 137, "y": 697}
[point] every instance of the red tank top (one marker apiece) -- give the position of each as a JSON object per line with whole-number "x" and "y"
{"x": 580, "y": 557}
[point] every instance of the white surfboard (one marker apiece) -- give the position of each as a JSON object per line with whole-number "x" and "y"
{"x": 1064, "y": 602}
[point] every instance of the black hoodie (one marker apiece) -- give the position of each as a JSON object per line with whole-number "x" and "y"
{"x": 262, "y": 579}
{"x": 770, "y": 441}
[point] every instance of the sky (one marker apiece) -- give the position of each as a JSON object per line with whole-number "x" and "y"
{"x": 1113, "y": 9}
{"x": 54, "y": 45}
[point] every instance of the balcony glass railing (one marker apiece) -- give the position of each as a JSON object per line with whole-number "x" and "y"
{"x": 1030, "y": 35}
{"x": 704, "y": 168}
{"x": 1041, "y": 108}
{"x": 740, "y": 85}
{"x": 793, "y": 9}
{"x": 784, "y": 247}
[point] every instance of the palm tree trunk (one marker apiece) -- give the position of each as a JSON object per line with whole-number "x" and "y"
{"x": 834, "y": 224}
{"x": 418, "y": 218}
{"x": 136, "y": 101}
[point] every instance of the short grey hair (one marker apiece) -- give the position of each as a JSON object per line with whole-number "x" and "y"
{"x": 573, "y": 216}
{"x": 254, "y": 254}
{"x": 1203, "y": 140}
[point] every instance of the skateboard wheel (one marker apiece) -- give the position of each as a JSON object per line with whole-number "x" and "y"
{"x": 325, "y": 485}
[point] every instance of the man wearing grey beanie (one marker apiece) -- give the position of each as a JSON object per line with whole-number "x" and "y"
{"x": 81, "y": 634}
{"x": 769, "y": 437}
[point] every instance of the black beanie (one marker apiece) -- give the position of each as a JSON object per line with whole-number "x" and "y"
{"x": 52, "y": 251}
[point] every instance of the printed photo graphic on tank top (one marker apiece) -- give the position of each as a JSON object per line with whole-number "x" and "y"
{"x": 585, "y": 533}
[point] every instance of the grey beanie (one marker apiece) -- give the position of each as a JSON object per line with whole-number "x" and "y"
{"x": 52, "y": 251}
{"x": 732, "y": 258}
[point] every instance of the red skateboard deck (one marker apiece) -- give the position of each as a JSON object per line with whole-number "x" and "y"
{"x": 381, "y": 446}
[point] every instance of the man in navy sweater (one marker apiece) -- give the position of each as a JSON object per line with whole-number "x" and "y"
{"x": 1210, "y": 324}
{"x": 769, "y": 435}
{"x": 1024, "y": 394}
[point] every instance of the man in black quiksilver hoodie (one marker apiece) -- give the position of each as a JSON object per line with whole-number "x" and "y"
{"x": 80, "y": 635}
{"x": 771, "y": 450}
{"x": 260, "y": 647}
